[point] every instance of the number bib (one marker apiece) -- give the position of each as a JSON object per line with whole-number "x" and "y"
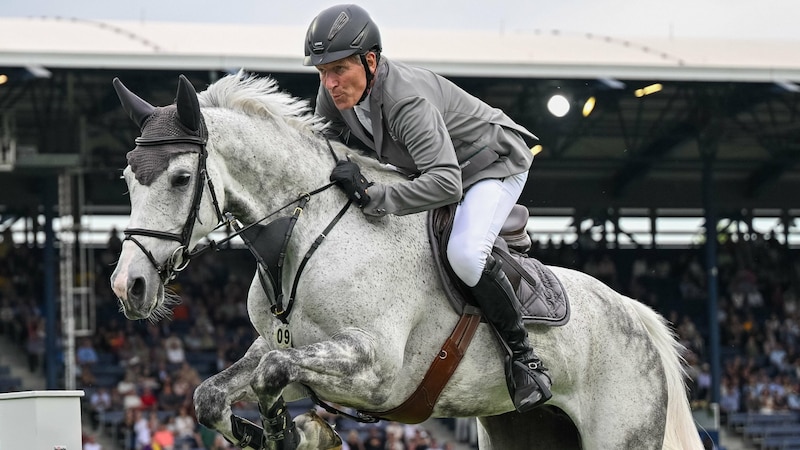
{"x": 282, "y": 336}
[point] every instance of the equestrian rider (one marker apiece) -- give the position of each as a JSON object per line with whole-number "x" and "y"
{"x": 453, "y": 147}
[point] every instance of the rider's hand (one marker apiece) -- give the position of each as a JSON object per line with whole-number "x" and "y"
{"x": 347, "y": 175}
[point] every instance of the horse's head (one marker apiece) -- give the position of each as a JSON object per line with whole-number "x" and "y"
{"x": 167, "y": 179}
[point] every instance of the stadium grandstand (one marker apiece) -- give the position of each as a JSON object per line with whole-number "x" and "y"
{"x": 670, "y": 174}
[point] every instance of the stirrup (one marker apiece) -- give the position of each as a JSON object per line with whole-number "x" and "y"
{"x": 531, "y": 369}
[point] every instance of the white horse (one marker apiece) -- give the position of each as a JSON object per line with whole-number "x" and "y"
{"x": 370, "y": 312}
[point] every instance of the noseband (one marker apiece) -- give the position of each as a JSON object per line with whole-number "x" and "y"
{"x": 181, "y": 256}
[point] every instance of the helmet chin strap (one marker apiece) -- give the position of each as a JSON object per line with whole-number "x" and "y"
{"x": 370, "y": 76}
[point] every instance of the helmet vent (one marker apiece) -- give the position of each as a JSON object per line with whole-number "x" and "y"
{"x": 338, "y": 24}
{"x": 357, "y": 41}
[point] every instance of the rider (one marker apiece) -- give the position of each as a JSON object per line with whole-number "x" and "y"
{"x": 453, "y": 147}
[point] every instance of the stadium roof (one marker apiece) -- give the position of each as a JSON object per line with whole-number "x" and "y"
{"x": 76, "y": 43}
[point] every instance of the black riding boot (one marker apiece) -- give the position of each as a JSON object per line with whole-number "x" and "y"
{"x": 528, "y": 382}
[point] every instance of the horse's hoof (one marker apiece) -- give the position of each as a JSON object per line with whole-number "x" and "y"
{"x": 318, "y": 430}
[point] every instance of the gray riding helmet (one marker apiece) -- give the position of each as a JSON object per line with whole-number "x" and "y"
{"x": 338, "y": 32}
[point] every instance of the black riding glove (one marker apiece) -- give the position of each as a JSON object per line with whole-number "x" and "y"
{"x": 348, "y": 176}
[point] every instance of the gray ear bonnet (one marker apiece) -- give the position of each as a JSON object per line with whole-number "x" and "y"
{"x": 166, "y": 131}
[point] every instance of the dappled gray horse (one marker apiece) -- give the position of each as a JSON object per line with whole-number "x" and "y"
{"x": 359, "y": 321}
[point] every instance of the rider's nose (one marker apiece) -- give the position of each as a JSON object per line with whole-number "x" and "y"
{"x": 330, "y": 81}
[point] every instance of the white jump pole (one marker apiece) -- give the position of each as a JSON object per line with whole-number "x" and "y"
{"x": 46, "y": 420}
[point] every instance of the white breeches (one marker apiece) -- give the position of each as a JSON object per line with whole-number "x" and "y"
{"x": 479, "y": 218}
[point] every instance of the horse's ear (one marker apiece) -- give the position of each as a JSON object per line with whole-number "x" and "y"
{"x": 138, "y": 109}
{"x": 188, "y": 106}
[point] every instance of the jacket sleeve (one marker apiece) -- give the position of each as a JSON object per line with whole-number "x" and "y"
{"x": 419, "y": 126}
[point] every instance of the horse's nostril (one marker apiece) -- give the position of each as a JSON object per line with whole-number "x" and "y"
{"x": 137, "y": 289}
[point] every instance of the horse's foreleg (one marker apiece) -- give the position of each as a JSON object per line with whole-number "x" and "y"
{"x": 344, "y": 364}
{"x": 214, "y": 397}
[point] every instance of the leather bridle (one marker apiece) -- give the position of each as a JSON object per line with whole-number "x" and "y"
{"x": 181, "y": 256}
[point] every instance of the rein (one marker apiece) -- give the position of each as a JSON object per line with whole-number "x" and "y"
{"x": 277, "y": 308}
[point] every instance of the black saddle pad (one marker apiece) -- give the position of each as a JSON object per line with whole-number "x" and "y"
{"x": 543, "y": 298}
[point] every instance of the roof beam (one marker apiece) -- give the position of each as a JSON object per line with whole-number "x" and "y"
{"x": 651, "y": 153}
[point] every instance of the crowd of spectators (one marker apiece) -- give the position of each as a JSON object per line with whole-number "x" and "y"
{"x": 148, "y": 371}
{"x": 139, "y": 376}
{"x": 757, "y": 283}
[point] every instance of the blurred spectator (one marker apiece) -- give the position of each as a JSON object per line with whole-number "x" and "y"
{"x": 185, "y": 429}
{"x": 730, "y": 397}
{"x": 434, "y": 445}
{"x": 90, "y": 443}
{"x": 395, "y": 429}
{"x": 148, "y": 398}
{"x": 168, "y": 400}
{"x": 193, "y": 340}
{"x": 163, "y": 436}
{"x": 173, "y": 346}
{"x": 353, "y": 440}
{"x": 394, "y": 442}
{"x": 34, "y": 344}
{"x": 128, "y": 389}
{"x": 141, "y": 429}
{"x": 86, "y": 355}
{"x": 99, "y": 402}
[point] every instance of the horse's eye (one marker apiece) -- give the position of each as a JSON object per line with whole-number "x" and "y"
{"x": 180, "y": 179}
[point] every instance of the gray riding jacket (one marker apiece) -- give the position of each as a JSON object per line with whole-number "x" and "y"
{"x": 434, "y": 131}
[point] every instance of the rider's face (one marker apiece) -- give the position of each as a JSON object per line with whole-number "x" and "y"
{"x": 345, "y": 79}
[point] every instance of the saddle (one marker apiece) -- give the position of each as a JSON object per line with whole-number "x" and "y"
{"x": 543, "y": 298}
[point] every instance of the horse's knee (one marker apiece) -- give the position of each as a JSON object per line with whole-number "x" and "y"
{"x": 209, "y": 404}
{"x": 269, "y": 378}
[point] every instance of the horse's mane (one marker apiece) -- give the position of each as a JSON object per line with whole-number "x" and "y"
{"x": 260, "y": 96}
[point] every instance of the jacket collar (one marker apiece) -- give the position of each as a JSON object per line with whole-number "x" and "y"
{"x": 376, "y": 103}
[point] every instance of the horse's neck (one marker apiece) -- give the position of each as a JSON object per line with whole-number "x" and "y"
{"x": 266, "y": 166}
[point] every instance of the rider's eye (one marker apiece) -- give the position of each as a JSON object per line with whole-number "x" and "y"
{"x": 180, "y": 179}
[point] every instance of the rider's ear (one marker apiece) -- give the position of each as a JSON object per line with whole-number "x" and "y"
{"x": 188, "y": 105}
{"x": 372, "y": 61}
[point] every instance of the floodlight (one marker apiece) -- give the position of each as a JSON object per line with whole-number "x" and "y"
{"x": 558, "y": 105}
{"x": 588, "y": 107}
